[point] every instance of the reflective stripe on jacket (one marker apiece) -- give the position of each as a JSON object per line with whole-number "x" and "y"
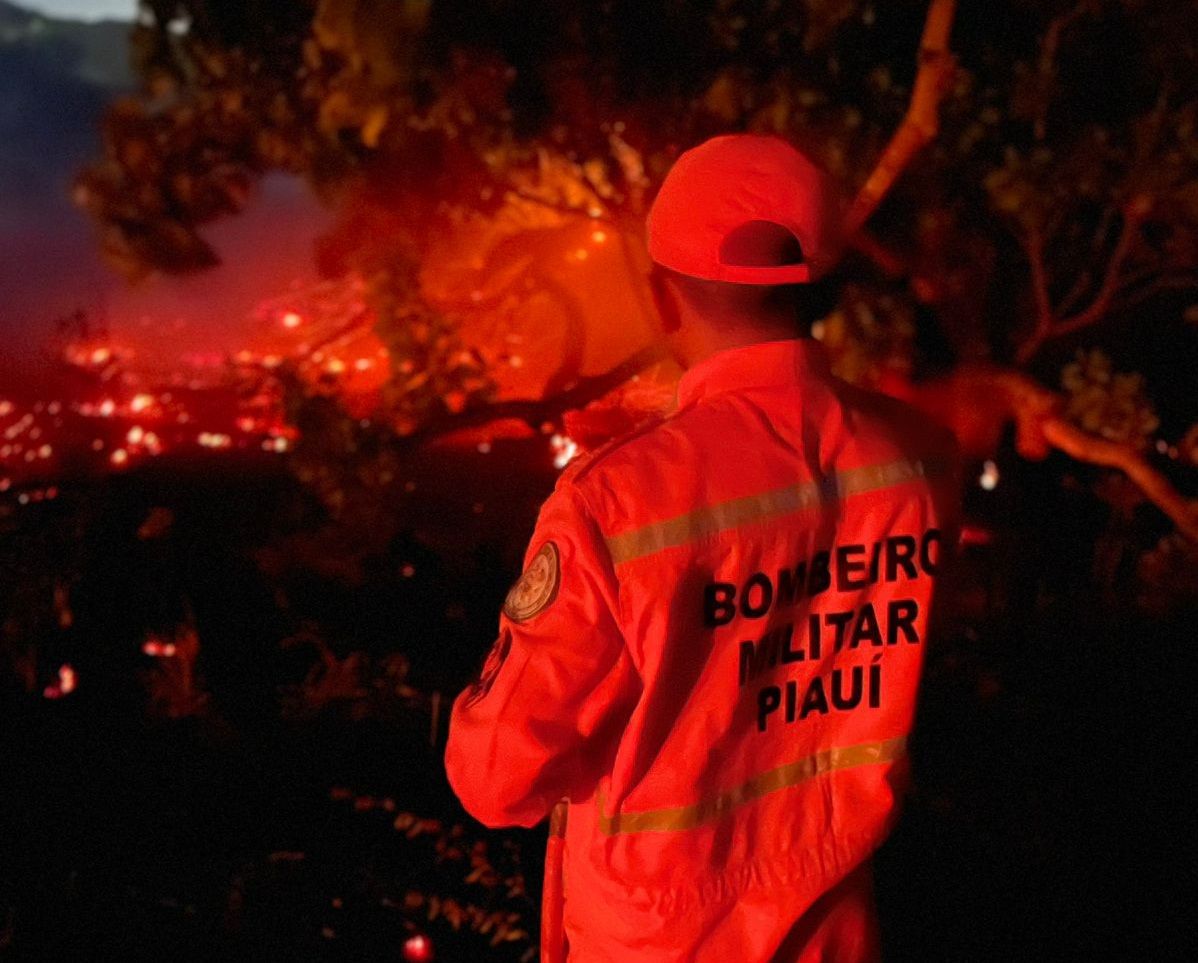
{"x": 714, "y": 654}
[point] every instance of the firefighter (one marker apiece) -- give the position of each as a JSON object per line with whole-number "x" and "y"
{"x": 714, "y": 647}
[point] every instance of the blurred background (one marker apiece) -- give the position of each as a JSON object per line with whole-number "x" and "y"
{"x": 305, "y": 303}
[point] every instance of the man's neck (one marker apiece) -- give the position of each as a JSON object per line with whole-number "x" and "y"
{"x": 703, "y": 342}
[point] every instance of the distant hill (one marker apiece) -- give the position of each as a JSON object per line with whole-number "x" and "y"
{"x": 56, "y": 76}
{"x": 95, "y": 52}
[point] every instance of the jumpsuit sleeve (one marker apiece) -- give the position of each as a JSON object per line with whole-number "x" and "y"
{"x": 558, "y": 687}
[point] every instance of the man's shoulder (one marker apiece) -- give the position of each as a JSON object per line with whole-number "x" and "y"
{"x": 633, "y": 445}
{"x": 911, "y": 428}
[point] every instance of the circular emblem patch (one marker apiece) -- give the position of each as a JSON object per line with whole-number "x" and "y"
{"x": 536, "y": 588}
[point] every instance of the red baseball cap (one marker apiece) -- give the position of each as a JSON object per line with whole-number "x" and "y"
{"x": 747, "y": 209}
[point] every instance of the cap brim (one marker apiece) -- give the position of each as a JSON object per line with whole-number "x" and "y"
{"x": 767, "y": 274}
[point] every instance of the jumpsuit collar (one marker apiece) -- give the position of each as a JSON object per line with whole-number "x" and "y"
{"x": 761, "y": 365}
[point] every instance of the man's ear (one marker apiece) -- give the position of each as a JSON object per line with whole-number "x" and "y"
{"x": 665, "y": 300}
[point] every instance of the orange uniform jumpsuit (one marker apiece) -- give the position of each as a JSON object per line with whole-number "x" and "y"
{"x": 713, "y": 654}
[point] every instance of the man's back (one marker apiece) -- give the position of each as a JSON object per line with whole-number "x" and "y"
{"x": 760, "y": 578}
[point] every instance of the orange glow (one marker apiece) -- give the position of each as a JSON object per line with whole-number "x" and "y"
{"x": 495, "y": 291}
{"x": 564, "y": 449}
{"x": 159, "y": 649}
{"x": 67, "y": 681}
{"x": 418, "y": 948}
{"x": 214, "y": 439}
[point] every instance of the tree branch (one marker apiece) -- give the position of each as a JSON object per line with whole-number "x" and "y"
{"x": 936, "y": 69}
{"x": 1133, "y": 217}
{"x": 1084, "y": 277}
{"x": 1040, "y": 426}
{"x": 535, "y": 412}
{"x": 1047, "y": 66}
{"x": 1083, "y": 446}
{"x": 1047, "y": 326}
{"x": 1127, "y": 298}
{"x": 1034, "y": 247}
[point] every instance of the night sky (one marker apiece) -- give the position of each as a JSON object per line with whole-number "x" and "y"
{"x": 84, "y": 9}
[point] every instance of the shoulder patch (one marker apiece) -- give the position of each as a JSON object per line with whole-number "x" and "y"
{"x": 537, "y": 587}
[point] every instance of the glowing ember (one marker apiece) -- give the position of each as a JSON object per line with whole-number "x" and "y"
{"x": 134, "y": 418}
{"x": 159, "y": 649}
{"x": 988, "y": 479}
{"x": 564, "y": 449}
{"x": 292, "y": 320}
{"x": 214, "y": 439}
{"x": 418, "y": 948}
{"x": 67, "y": 681}
{"x": 975, "y": 535}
